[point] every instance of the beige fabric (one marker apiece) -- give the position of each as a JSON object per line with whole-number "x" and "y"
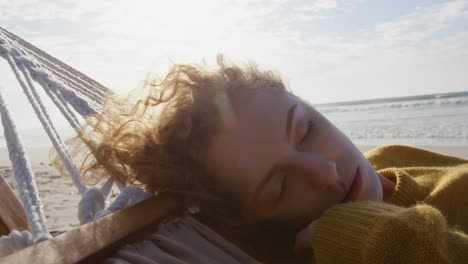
{"x": 186, "y": 241}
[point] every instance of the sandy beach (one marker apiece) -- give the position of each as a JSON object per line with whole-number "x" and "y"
{"x": 60, "y": 198}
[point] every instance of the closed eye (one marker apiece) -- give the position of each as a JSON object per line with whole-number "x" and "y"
{"x": 309, "y": 128}
{"x": 284, "y": 176}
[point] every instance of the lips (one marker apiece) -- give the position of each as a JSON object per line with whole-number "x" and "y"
{"x": 355, "y": 188}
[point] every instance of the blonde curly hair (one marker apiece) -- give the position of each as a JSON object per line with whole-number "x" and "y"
{"x": 155, "y": 140}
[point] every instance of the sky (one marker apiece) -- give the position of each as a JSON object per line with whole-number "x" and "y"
{"x": 325, "y": 50}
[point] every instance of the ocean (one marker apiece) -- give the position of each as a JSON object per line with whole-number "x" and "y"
{"x": 426, "y": 120}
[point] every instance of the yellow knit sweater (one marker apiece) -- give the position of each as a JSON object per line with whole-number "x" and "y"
{"x": 424, "y": 221}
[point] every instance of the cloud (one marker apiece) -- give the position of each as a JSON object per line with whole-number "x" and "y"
{"x": 40, "y": 11}
{"x": 422, "y": 24}
{"x": 318, "y": 5}
{"x": 416, "y": 53}
{"x": 118, "y": 42}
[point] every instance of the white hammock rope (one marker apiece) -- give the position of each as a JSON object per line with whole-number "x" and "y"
{"x": 28, "y": 89}
{"x": 83, "y": 107}
{"x": 73, "y": 93}
{"x": 76, "y": 96}
{"x": 23, "y": 173}
{"x": 64, "y": 108}
{"x": 57, "y": 67}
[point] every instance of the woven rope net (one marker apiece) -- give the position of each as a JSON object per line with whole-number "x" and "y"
{"x": 76, "y": 96}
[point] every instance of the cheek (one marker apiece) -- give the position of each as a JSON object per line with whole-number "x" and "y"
{"x": 331, "y": 141}
{"x": 373, "y": 190}
{"x": 304, "y": 205}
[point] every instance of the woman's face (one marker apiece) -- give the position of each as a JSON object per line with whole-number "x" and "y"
{"x": 284, "y": 161}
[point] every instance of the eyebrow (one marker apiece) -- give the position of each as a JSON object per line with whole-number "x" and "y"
{"x": 269, "y": 175}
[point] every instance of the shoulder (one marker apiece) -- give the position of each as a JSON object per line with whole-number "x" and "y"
{"x": 406, "y": 156}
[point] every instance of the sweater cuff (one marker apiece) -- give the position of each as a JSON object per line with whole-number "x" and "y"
{"x": 342, "y": 231}
{"x": 406, "y": 187}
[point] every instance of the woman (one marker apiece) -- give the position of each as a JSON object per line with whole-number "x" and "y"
{"x": 237, "y": 144}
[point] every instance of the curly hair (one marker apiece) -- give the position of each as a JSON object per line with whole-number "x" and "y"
{"x": 155, "y": 140}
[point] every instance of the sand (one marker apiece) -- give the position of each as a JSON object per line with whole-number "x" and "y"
{"x": 58, "y": 195}
{"x": 60, "y": 198}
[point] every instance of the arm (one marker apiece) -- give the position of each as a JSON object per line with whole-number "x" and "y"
{"x": 375, "y": 232}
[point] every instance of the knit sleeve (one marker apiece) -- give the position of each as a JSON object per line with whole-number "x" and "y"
{"x": 405, "y": 156}
{"x": 376, "y": 232}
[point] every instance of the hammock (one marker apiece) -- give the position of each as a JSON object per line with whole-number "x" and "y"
{"x": 73, "y": 93}
{"x": 76, "y": 96}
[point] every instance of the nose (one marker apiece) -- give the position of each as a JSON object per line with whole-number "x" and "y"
{"x": 319, "y": 172}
